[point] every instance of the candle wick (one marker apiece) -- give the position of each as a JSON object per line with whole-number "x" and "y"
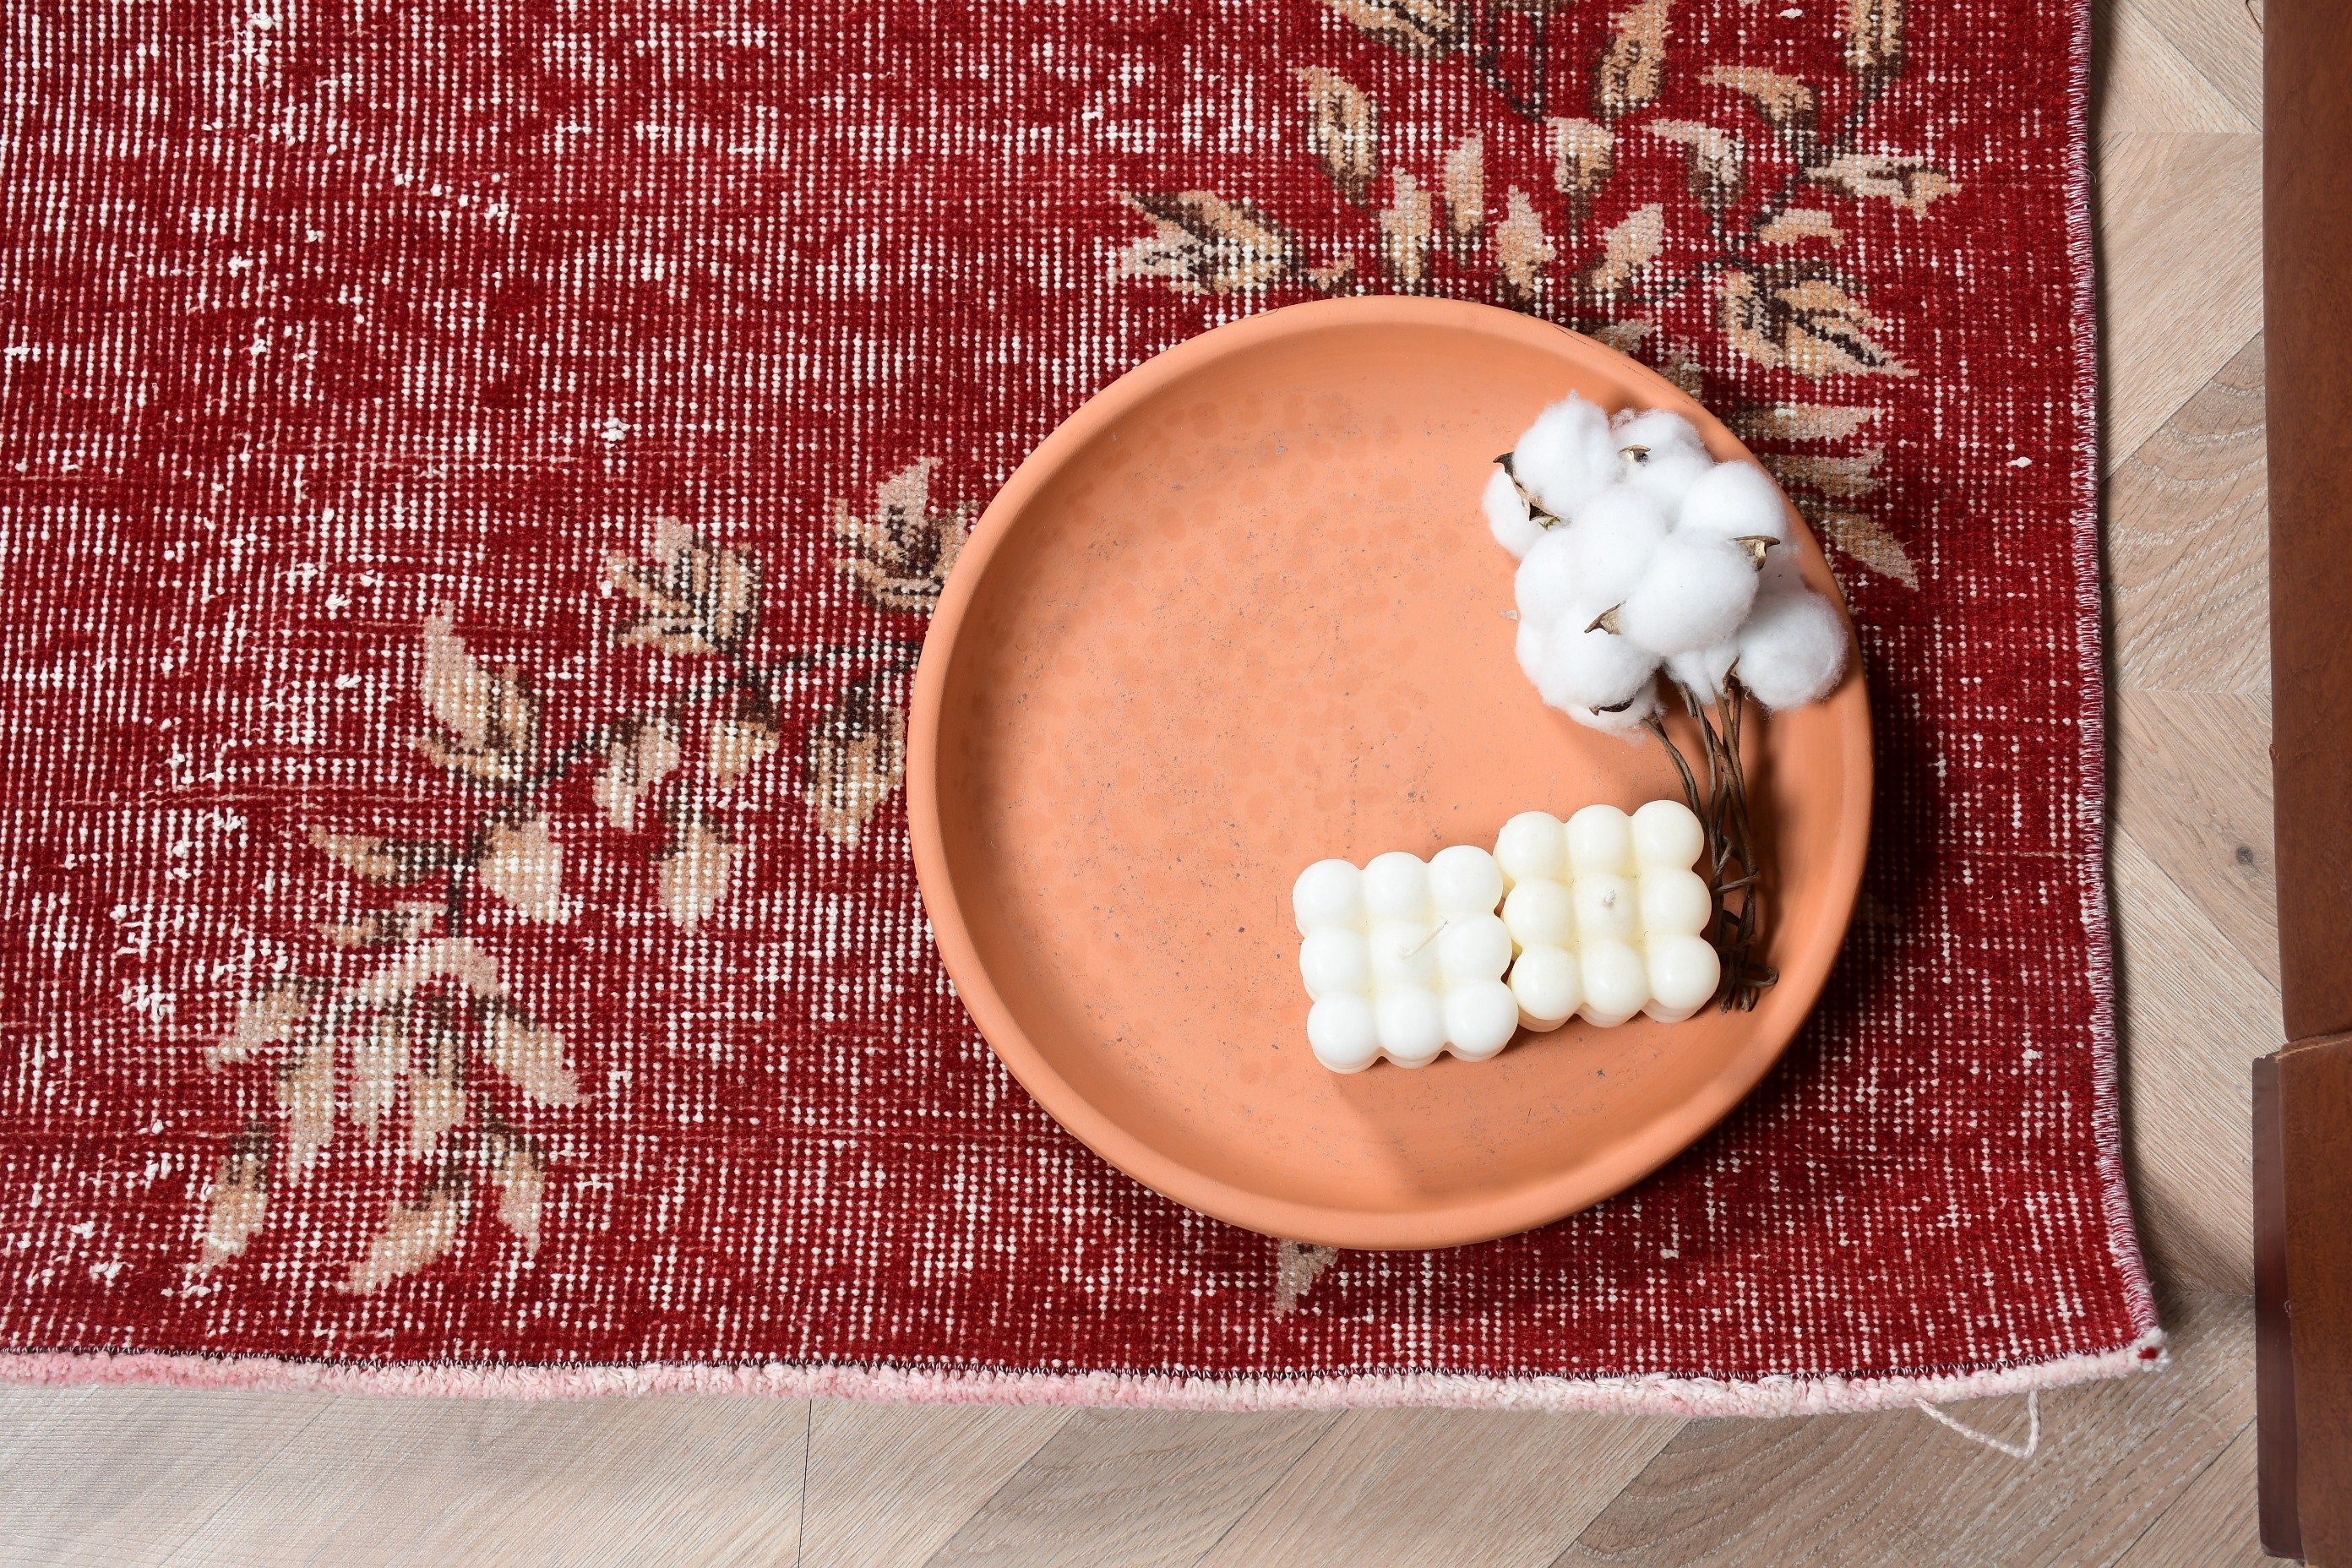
{"x": 1424, "y": 942}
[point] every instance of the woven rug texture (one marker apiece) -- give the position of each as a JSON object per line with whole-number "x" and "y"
{"x": 472, "y": 479}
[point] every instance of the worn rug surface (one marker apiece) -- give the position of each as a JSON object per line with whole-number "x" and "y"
{"x": 472, "y": 479}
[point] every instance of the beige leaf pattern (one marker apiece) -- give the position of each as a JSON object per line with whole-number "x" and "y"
{"x": 1634, "y": 65}
{"x": 1203, "y": 244}
{"x": 855, "y": 755}
{"x": 520, "y": 1169}
{"x": 1840, "y": 478}
{"x": 1873, "y": 37}
{"x": 378, "y": 1058}
{"x": 1718, "y": 159}
{"x": 695, "y": 599}
{"x": 528, "y": 1056}
{"x": 1631, "y": 246}
{"x": 1807, "y": 324}
{"x": 446, "y": 957}
{"x": 740, "y": 742}
{"x": 1465, "y": 192}
{"x": 489, "y": 723}
{"x": 429, "y": 1034}
{"x": 1333, "y": 277}
{"x": 1343, "y": 131}
{"x": 1681, "y": 366}
{"x": 1421, "y": 29}
{"x": 1793, "y": 225}
{"x": 695, "y": 871}
{"x": 1296, "y": 1267}
{"x": 239, "y": 1200}
{"x": 900, "y": 554}
{"x": 391, "y": 861}
{"x": 1407, "y": 224}
{"x": 1522, "y": 251}
{"x": 266, "y": 1019}
{"x": 1626, "y": 336}
{"x": 1798, "y": 421}
{"x": 1784, "y": 102}
{"x": 305, "y": 1097}
{"x": 523, "y": 865}
{"x": 415, "y": 1236}
{"x": 641, "y": 753}
{"x": 1909, "y": 184}
{"x": 1865, "y": 540}
{"x": 1582, "y": 155}
{"x": 400, "y": 924}
{"x": 459, "y": 692}
{"x": 436, "y": 1100}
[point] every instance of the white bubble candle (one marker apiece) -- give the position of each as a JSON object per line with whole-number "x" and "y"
{"x": 1404, "y": 959}
{"x": 1600, "y": 915}
{"x": 1605, "y": 915}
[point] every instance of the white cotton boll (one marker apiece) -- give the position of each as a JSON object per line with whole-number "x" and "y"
{"x": 1533, "y": 634}
{"x": 1696, "y": 592}
{"x": 1661, "y": 454}
{"x": 1611, "y": 544}
{"x": 1464, "y": 880}
{"x": 1659, "y": 432}
{"x": 1567, "y": 455}
{"x": 1532, "y": 846}
{"x": 1703, "y": 669}
{"x": 1792, "y": 650}
{"x": 1545, "y": 585}
{"x": 1396, "y": 886}
{"x": 1625, "y": 721}
{"x": 1736, "y": 501}
{"x": 1549, "y": 986}
{"x": 1668, "y": 477}
{"x": 1588, "y": 669}
{"x": 1514, "y": 526}
{"x": 1481, "y": 1019}
{"x": 1343, "y": 1033}
{"x": 1327, "y": 893}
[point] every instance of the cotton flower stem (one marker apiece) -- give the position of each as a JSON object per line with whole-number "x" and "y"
{"x": 1734, "y": 877}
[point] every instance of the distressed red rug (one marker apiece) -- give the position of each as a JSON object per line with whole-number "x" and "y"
{"x": 474, "y": 479}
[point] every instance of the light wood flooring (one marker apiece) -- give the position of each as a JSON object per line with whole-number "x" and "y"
{"x": 2154, "y": 1471}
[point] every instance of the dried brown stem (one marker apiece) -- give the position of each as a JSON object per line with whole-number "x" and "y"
{"x": 1734, "y": 876}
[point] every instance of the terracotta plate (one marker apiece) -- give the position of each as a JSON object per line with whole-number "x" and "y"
{"x": 1241, "y": 612}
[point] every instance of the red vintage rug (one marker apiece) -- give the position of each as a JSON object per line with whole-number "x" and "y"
{"x": 474, "y": 479}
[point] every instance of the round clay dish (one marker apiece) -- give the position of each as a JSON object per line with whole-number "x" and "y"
{"x": 1242, "y": 611}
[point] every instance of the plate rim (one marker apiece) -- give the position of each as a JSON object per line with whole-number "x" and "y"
{"x": 1487, "y": 1217}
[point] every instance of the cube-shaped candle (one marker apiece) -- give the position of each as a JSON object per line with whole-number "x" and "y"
{"x": 1404, "y": 959}
{"x": 1605, "y": 915}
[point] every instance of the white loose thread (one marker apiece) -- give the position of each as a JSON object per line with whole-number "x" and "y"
{"x": 2014, "y": 1450}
